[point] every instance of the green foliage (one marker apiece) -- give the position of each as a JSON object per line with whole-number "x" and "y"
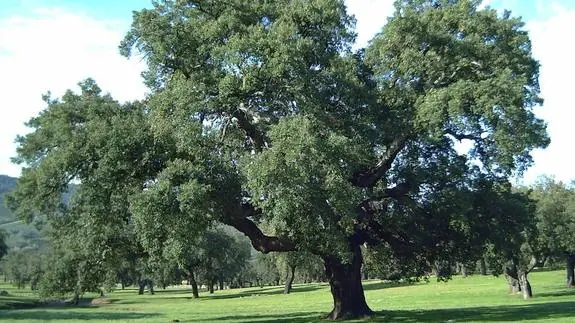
{"x": 555, "y": 215}
{"x": 262, "y": 118}
{"x": 23, "y": 267}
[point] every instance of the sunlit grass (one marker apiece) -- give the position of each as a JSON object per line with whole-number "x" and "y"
{"x": 473, "y": 299}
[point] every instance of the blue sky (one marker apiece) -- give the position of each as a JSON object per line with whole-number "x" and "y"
{"x": 53, "y": 44}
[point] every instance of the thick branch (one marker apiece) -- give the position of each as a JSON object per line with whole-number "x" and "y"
{"x": 532, "y": 264}
{"x": 260, "y": 241}
{"x": 398, "y": 193}
{"x": 369, "y": 178}
{"x": 258, "y": 139}
{"x": 462, "y": 136}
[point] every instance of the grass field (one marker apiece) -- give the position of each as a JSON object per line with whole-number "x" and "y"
{"x": 472, "y": 299}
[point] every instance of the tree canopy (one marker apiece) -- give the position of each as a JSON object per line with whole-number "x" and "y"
{"x": 262, "y": 117}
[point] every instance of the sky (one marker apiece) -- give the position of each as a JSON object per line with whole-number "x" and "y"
{"x": 51, "y": 45}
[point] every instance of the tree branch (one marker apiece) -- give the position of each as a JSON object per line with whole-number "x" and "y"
{"x": 462, "y": 136}
{"x": 370, "y": 177}
{"x": 258, "y": 139}
{"x": 238, "y": 219}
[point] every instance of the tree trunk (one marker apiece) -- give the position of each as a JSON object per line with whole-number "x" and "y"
{"x": 76, "y": 299}
{"x": 512, "y": 276}
{"x": 570, "y": 271}
{"x": 525, "y": 286}
{"x": 211, "y": 287}
{"x": 364, "y": 273}
{"x": 194, "y": 284}
{"x": 289, "y": 279}
{"x": 346, "y": 289}
{"x": 482, "y": 266}
{"x": 141, "y": 287}
{"x": 221, "y": 285}
{"x": 151, "y": 286}
{"x": 462, "y": 269}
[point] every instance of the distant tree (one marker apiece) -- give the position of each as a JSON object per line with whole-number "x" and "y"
{"x": 289, "y": 262}
{"x": 264, "y": 270}
{"x": 3, "y": 245}
{"x": 24, "y": 267}
{"x": 556, "y": 222}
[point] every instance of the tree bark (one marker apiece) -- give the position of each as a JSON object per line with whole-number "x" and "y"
{"x": 289, "y": 279}
{"x": 346, "y": 289}
{"x": 192, "y": 282}
{"x": 141, "y": 287}
{"x": 525, "y": 286}
{"x": 151, "y": 286}
{"x": 570, "y": 270}
{"x": 462, "y": 270}
{"x": 512, "y": 279}
{"x": 364, "y": 273}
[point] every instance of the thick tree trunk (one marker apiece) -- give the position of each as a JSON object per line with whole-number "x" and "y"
{"x": 192, "y": 282}
{"x": 289, "y": 279}
{"x": 211, "y": 287}
{"x": 570, "y": 271}
{"x": 482, "y": 267}
{"x": 525, "y": 286}
{"x": 346, "y": 289}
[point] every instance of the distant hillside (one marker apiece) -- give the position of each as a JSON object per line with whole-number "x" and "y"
{"x": 7, "y": 183}
{"x": 20, "y": 235}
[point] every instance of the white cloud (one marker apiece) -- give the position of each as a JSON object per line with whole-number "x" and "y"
{"x": 52, "y": 50}
{"x": 554, "y": 48}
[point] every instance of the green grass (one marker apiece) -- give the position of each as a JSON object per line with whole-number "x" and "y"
{"x": 474, "y": 299}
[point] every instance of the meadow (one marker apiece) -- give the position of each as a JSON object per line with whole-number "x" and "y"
{"x": 471, "y": 299}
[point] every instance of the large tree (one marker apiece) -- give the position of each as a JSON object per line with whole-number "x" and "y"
{"x": 261, "y": 117}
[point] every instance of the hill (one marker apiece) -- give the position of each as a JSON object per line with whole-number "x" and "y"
{"x": 7, "y": 183}
{"x": 20, "y": 235}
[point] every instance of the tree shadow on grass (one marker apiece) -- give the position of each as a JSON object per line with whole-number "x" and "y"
{"x": 64, "y": 314}
{"x": 280, "y": 290}
{"x": 384, "y": 285}
{"x": 281, "y": 318}
{"x": 506, "y": 313}
{"x": 267, "y": 291}
{"x": 557, "y": 293}
{"x": 276, "y": 290}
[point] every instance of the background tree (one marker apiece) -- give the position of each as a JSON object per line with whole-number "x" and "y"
{"x": 262, "y": 118}
{"x": 3, "y": 245}
{"x": 556, "y": 221}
